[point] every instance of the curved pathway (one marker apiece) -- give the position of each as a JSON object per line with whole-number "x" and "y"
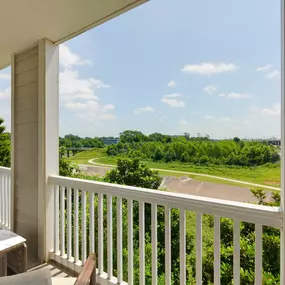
{"x": 91, "y": 161}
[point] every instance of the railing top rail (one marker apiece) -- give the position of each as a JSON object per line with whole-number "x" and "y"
{"x": 5, "y": 169}
{"x": 258, "y": 214}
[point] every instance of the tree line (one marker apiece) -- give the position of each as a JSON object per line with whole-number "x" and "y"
{"x": 73, "y": 141}
{"x": 198, "y": 150}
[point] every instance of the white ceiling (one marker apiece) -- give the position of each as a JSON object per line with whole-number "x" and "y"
{"x": 23, "y": 22}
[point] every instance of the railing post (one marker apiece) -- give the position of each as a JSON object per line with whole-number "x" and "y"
{"x": 282, "y": 239}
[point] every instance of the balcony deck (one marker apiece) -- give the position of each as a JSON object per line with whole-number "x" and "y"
{"x": 56, "y": 270}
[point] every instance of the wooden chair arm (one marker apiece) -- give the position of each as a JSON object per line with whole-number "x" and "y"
{"x": 88, "y": 272}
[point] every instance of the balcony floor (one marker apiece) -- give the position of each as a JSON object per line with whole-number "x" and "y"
{"x": 56, "y": 269}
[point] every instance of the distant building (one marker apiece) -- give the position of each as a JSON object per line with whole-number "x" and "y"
{"x": 110, "y": 141}
{"x": 275, "y": 142}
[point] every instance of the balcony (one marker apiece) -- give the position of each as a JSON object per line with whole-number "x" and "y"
{"x": 140, "y": 236}
{"x": 92, "y": 216}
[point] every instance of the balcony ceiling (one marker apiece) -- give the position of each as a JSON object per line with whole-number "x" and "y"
{"x": 24, "y": 22}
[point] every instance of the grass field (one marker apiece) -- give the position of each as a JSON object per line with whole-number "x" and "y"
{"x": 265, "y": 175}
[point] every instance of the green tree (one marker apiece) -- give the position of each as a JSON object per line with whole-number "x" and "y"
{"x": 133, "y": 173}
{"x": 132, "y": 136}
{"x": 236, "y": 140}
{"x": 5, "y": 145}
{"x": 185, "y": 157}
{"x": 158, "y": 154}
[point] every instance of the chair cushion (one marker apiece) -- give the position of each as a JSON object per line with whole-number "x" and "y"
{"x": 37, "y": 277}
{"x": 63, "y": 281}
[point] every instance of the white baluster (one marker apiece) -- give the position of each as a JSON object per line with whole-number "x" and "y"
{"x": 62, "y": 221}
{"x": 167, "y": 246}
{"x": 130, "y": 243}
{"x": 76, "y": 222}
{"x": 109, "y": 237}
{"x": 83, "y": 212}
{"x": 119, "y": 241}
{"x": 100, "y": 235}
{"x": 258, "y": 254}
{"x": 69, "y": 227}
{"x": 5, "y": 200}
{"x": 199, "y": 249}
{"x": 154, "y": 242}
{"x": 91, "y": 224}
{"x": 9, "y": 203}
{"x": 236, "y": 252}
{"x": 142, "y": 242}
{"x": 182, "y": 229}
{"x": 56, "y": 219}
{"x": 217, "y": 246}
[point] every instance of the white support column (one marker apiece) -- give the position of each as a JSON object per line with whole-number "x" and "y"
{"x": 282, "y": 240}
{"x": 35, "y": 144}
{"x": 48, "y": 140}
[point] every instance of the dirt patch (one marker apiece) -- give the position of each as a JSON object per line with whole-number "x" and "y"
{"x": 272, "y": 183}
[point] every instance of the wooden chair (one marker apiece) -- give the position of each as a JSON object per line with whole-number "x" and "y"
{"x": 87, "y": 274}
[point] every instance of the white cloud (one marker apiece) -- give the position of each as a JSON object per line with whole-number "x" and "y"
{"x": 275, "y": 74}
{"x": 98, "y": 83}
{"x": 174, "y": 103}
{"x": 6, "y": 93}
{"x": 275, "y": 110}
{"x": 91, "y": 108}
{"x": 77, "y": 93}
{"x": 73, "y": 87}
{"x": 210, "y": 89}
{"x": 174, "y": 95}
{"x": 5, "y": 76}
{"x": 264, "y": 68}
{"x": 218, "y": 119}
{"x": 234, "y": 95}
{"x": 209, "y": 68}
{"x": 144, "y": 110}
{"x": 68, "y": 58}
{"x": 171, "y": 83}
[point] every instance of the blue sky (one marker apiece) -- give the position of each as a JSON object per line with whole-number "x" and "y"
{"x": 209, "y": 67}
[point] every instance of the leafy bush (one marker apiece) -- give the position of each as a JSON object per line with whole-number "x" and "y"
{"x": 133, "y": 173}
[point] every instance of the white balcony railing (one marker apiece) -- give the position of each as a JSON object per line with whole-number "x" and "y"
{"x": 86, "y": 210}
{"x": 5, "y": 197}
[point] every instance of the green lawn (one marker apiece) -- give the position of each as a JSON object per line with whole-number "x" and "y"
{"x": 265, "y": 175}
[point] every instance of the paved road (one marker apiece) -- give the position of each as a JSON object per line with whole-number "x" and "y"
{"x": 91, "y": 161}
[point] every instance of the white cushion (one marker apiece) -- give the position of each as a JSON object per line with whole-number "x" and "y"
{"x": 63, "y": 281}
{"x": 37, "y": 277}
